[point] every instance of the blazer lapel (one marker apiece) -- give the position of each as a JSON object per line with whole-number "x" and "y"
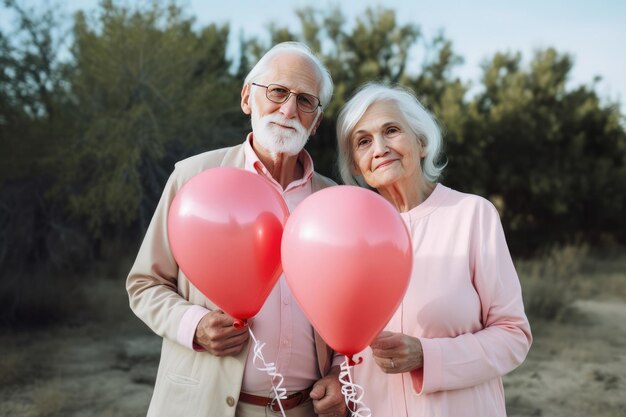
{"x": 324, "y": 354}
{"x": 235, "y": 157}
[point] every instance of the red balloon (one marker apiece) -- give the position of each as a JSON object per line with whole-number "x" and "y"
{"x": 225, "y": 227}
{"x": 347, "y": 259}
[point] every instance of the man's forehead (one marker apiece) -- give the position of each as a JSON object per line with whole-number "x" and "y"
{"x": 293, "y": 70}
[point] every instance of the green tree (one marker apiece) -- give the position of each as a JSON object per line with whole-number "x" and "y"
{"x": 93, "y": 139}
{"x": 33, "y": 123}
{"x": 36, "y": 236}
{"x": 87, "y": 143}
{"x": 444, "y": 95}
{"x": 551, "y": 154}
{"x": 148, "y": 90}
{"x": 32, "y": 91}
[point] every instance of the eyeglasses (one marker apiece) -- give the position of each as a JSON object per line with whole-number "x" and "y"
{"x": 308, "y": 103}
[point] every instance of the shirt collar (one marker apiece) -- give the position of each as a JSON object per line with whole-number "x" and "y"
{"x": 254, "y": 164}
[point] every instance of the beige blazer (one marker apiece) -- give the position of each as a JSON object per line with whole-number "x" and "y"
{"x": 189, "y": 383}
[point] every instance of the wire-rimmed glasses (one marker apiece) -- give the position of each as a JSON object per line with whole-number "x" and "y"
{"x": 277, "y": 93}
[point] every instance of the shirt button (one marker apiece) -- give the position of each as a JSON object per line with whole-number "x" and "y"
{"x": 230, "y": 401}
{"x": 285, "y": 342}
{"x": 286, "y": 302}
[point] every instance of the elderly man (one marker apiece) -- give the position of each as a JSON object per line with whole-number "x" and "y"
{"x": 206, "y": 366}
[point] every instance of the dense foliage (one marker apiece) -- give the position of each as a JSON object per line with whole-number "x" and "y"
{"x": 89, "y": 137}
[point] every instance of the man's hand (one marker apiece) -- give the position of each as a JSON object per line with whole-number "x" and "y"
{"x": 395, "y": 353}
{"x": 216, "y": 334}
{"x": 327, "y": 398}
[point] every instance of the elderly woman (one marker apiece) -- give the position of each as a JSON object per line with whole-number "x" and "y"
{"x": 461, "y": 325}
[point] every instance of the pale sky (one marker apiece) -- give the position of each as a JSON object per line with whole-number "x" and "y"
{"x": 592, "y": 32}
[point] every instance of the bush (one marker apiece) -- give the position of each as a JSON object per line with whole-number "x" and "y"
{"x": 550, "y": 282}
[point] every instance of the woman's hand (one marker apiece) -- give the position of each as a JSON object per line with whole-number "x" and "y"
{"x": 396, "y": 352}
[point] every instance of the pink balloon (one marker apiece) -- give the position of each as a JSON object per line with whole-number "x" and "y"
{"x": 225, "y": 227}
{"x": 347, "y": 258}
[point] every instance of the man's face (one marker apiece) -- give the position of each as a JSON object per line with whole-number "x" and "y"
{"x": 282, "y": 127}
{"x": 277, "y": 134}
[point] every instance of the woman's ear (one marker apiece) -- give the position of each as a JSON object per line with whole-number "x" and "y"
{"x": 354, "y": 169}
{"x": 422, "y": 147}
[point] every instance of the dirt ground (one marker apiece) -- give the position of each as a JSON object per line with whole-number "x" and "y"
{"x": 105, "y": 365}
{"x": 574, "y": 368}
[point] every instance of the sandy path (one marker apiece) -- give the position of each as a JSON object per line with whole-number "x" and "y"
{"x": 575, "y": 368}
{"x": 78, "y": 373}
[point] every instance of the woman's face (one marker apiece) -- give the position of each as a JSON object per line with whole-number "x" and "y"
{"x": 384, "y": 148}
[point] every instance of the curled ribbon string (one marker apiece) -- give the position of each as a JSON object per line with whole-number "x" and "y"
{"x": 353, "y": 393}
{"x": 280, "y": 393}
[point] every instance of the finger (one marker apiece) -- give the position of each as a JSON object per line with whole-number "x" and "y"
{"x": 235, "y": 340}
{"x": 222, "y": 319}
{"x": 329, "y": 403}
{"x": 385, "y": 340}
{"x": 385, "y": 334}
{"x": 228, "y": 352}
{"x": 385, "y": 365}
{"x": 218, "y": 326}
{"x": 387, "y": 361}
{"x": 386, "y": 353}
{"x": 215, "y": 338}
{"x": 227, "y": 332}
{"x": 227, "y": 345}
{"x": 218, "y": 318}
{"x": 219, "y": 341}
{"x": 380, "y": 362}
{"x": 318, "y": 392}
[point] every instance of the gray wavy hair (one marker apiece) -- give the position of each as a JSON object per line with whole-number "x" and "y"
{"x": 420, "y": 120}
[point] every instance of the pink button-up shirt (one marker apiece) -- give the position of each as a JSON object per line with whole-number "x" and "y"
{"x": 281, "y": 324}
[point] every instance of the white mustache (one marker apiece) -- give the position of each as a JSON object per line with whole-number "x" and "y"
{"x": 277, "y": 119}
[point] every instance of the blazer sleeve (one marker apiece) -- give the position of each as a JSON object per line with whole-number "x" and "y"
{"x": 503, "y": 342}
{"x": 158, "y": 293}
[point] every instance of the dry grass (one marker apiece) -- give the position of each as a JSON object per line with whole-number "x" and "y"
{"x": 49, "y": 400}
{"x": 104, "y": 364}
{"x": 576, "y": 301}
{"x": 549, "y": 283}
{"x": 11, "y": 364}
{"x": 553, "y": 282}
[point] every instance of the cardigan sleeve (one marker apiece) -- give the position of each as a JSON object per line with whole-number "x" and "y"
{"x": 503, "y": 342}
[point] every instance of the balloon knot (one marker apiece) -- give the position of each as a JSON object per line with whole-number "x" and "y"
{"x": 351, "y": 361}
{"x": 240, "y": 324}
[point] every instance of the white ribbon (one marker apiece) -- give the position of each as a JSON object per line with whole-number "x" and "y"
{"x": 353, "y": 393}
{"x": 280, "y": 393}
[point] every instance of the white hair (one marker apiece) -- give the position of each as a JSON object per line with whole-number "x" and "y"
{"x": 420, "y": 120}
{"x": 326, "y": 88}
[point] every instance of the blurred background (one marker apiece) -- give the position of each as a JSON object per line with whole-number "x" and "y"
{"x": 98, "y": 100}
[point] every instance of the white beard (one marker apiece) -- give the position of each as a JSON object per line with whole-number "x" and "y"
{"x": 277, "y": 139}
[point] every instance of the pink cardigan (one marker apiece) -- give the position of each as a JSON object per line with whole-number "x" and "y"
{"x": 464, "y": 303}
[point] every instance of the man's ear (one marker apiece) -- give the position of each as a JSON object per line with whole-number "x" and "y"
{"x": 245, "y": 99}
{"x": 317, "y": 123}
